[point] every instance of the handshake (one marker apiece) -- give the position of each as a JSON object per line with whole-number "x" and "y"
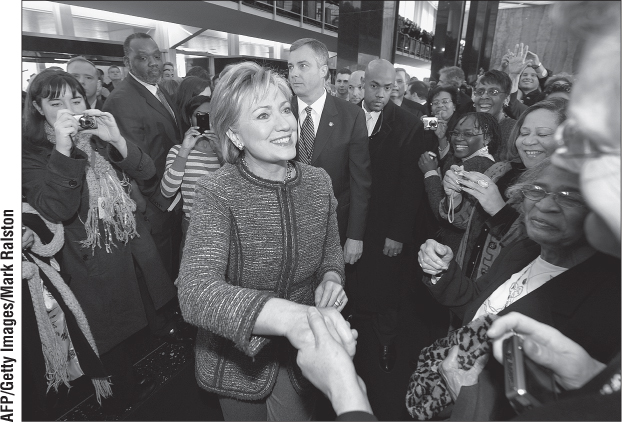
{"x": 327, "y": 363}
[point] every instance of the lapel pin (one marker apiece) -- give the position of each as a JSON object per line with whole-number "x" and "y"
{"x": 330, "y": 124}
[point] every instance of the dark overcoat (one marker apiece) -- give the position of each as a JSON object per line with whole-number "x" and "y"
{"x": 105, "y": 284}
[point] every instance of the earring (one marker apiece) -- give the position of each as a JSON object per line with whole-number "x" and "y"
{"x": 239, "y": 146}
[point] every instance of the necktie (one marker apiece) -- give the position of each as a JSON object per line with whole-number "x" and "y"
{"x": 307, "y": 137}
{"x": 162, "y": 99}
{"x": 369, "y": 123}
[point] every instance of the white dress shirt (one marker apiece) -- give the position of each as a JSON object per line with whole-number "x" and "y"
{"x": 152, "y": 88}
{"x": 316, "y": 112}
{"x": 371, "y": 118}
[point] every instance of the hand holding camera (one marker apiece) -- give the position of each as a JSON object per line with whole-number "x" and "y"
{"x": 92, "y": 121}
{"x": 450, "y": 181}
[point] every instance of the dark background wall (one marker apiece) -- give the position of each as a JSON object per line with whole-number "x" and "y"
{"x": 533, "y": 26}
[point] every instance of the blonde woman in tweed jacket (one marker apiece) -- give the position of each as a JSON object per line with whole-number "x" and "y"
{"x": 262, "y": 247}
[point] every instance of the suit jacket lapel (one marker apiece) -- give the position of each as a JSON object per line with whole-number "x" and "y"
{"x": 152, "y": 101}
{"x": 326, "y": 126}
{"x": 384, "y": 124}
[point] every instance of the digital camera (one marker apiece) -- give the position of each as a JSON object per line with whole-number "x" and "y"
{"x": 85, "y": 122}
{"x": 527, "y": 384}
{"x": 430, "y": 123}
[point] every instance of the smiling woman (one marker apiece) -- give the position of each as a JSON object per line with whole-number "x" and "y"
{"x": 262, "y": 247}
{"x": 554, "y": 276}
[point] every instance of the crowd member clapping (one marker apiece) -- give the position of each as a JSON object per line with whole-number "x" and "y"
{"x": 75, "y": 171}
{"x": 262, "y": 247}
{"x": 197, "y": 155}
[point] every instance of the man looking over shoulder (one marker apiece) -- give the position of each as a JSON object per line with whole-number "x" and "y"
{"x": 398, "y": 91}
{"x": 417, "y": 92}
{"x": 355, "y": 86}
{"x": 341, "y": 83}
{"x": 454, "y": 76}
{"x": 332, "y": 136}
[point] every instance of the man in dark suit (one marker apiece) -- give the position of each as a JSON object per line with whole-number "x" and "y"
{"x": 395, "y": 142}
{"x": 398, "y": 91}
{"x": 147, "y": 117}
{"x": 332, "y": 136}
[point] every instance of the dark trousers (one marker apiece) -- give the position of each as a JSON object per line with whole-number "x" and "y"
{"x": 165, "y": 228}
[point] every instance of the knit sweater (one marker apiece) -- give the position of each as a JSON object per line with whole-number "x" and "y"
{"x": 250, "y": 240}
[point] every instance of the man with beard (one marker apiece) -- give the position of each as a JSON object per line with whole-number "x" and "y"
{"x": 147, "y": 117}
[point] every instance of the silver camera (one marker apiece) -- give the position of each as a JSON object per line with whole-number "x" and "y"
{"x": 430, "y": 123}
{"x": 85, "y": 122}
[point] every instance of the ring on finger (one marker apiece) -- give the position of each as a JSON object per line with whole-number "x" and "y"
{"x": 337, "y": 303}
{"x": 483, "y": 183}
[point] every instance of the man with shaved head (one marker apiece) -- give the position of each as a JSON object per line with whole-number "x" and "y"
{"x": 355, "y": 86}
{"x": 395, "y": 140}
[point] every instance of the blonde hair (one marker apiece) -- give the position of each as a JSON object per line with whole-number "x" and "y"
{"x": 240, "y": 85}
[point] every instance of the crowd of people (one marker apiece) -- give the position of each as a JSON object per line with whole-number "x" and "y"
{"x": 261, "y": 218}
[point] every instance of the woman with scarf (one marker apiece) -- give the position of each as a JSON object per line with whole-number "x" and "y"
{"x": 76, "y": 168}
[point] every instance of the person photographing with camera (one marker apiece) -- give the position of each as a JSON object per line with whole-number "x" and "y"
{"x": 197, "y": 155}
{"x": 76, "y": 170}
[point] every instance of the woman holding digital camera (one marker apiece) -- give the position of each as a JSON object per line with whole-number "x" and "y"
{"x": 79, "y": 177}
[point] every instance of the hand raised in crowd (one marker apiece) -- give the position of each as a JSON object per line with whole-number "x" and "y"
{"x": 28, "y": 238}
{"x": 352, "y": 251}
{"x": 329, "y": 367}
{"x": 484, "y": 190}
{"x": 191, "y": 137}
{"x": 533, "y": 58}
{"x": 330, "y": 293}
{"x": 518, "y": 60}
{"x": 427, "y": 162}
{"x": 214, "y": 143}
{"x": 392, "y": 247}
{"x": 456, "y": 378}
{"x": 505, "y": 61}
{"x": 545, "y": 345}
{"x": 434, "y": 257}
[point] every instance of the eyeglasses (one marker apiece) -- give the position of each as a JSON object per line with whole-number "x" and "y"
{"x": 492, "y": 92}
{"x": 563, "y": 199}
{"x": 441, "y": 102}
{"x": 464, "y": 135}
{"x": 575, "y": 147}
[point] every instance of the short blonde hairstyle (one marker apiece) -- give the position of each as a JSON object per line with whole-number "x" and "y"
{"x": 240, "y": 85}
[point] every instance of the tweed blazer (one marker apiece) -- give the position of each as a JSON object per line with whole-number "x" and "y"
{"x": 250, "y": 240}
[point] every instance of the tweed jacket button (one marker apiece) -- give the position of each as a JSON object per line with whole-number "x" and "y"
{"x": 73, "y": 183}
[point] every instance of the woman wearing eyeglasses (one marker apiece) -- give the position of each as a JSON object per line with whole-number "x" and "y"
{"x": 488, "y": 220}
{"x": 491, "y": 94}
{"x": 474, "y": 139}
{"x": 553, "y": 276}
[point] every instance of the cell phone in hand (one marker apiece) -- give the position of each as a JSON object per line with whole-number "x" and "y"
{"x": 527, "y": 384}
{"x": 203, "y": 122}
